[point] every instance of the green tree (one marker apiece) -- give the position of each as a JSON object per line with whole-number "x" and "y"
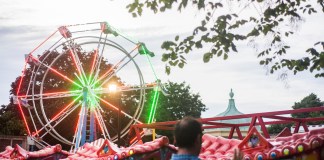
{"x": 179, "y": 103}
{"x": 221, "y": 31}
{"x": 10, "y": 122}
{"x": 307, "y": 102}
{"x": 277, "y": 128}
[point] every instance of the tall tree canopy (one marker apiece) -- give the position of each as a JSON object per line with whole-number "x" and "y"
{"x": 307, "y": 102}
{"x": 179, "y": 103}
{"x": 10, "y": 122}
{"x": 271, "y": 23}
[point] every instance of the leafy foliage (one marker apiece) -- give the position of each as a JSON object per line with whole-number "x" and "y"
{"x": 10, "y": 122}
{"x": 223, "y": 32}
{"x": 308, "y": 102}
{"x": 179, "y": 103}
{"x": 277, "y": 128}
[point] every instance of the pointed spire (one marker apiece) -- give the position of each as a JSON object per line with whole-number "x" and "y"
{"x": 231, "y": 94}
{"x": 231, "y": 108}
{"x": 231, "y": 104}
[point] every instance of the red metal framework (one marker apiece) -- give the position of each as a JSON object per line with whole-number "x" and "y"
{"x": 257, "y": 119}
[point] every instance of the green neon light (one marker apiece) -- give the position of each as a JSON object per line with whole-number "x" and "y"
{"x": 153, "y": 107}
{"x": 86, "y": 80}
{"x": 80, "y": 79}
{"x": 156, "y": 92}
{"x": 91, "y": 78}
{"x": 151, "y": 67}
{"x": 79, "y": 96}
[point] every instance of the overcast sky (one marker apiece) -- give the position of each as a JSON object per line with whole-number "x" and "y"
{"x": 24, "y": 24}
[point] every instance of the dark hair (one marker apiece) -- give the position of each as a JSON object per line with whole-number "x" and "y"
{"x": 186, "y": 132}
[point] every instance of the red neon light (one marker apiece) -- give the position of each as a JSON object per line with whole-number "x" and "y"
{"x": 99, "y": 123}
{"x": 94, "y": 61}
{"x": 55, "y": 71}
{"x": 64, "y": 109}
{"x": 76, "y": 65}
{"x": 19, "y": 105}
{"x": 135, "y": 138}
{"x": 114, "y": 107}
{"x": 42, "y": 42}
{"x": 107, "y": 103}
{"x": 106, "y": 73}
{"x": 54, "y": 118}
{"x": 76, "y": 128}
{"x": 52, "y": 93}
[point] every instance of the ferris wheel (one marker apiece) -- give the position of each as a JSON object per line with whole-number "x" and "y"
{"x": 77, "y": 83}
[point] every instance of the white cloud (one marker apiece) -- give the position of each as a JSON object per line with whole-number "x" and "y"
{"x": 24, "y": 24}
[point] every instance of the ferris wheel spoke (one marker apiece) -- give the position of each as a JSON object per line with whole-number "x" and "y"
{"x": 94, "y": 61}
{"x": 116, "y": 71}
{"x": 102, "y": 124}
{"x": 125, "y": 88}
{"x": 99, "y": 59}
{"x": 55, "y": 71}
{"x": 113, "y": 128}
{"x": 115, "y": 68}
{"x": 99, "y": 117}
{"x": 116, "y": 109}
{"x": 78, "y": 65}
{"x": 51, "y": 95}
{"x": 61, "y": 118}
{"x": 65, "y": 108}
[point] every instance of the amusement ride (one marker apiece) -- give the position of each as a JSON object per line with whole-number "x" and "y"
{"x": 82, "y": 78}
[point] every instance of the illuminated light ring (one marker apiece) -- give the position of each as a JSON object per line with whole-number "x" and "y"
{"x": 116, "y": 157}
{"x": 247, "y": 157}
{"x": 300, "y": 148}
{"x": 45, "y": 118}
{"x": 286, "y": 152}
{"x": 260, "y": 156}
{"x": 273, "y": 155}
{"x": 123, "y": 155}
{"x": 131, "y": 152}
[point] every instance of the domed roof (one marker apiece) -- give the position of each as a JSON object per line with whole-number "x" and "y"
{"x": 232, "y": 110}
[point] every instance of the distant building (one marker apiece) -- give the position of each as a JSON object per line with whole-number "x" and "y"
{"x": 310, "y": 127}
{"x": 6, "y": 140}
{"x": 230, "y": 111}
